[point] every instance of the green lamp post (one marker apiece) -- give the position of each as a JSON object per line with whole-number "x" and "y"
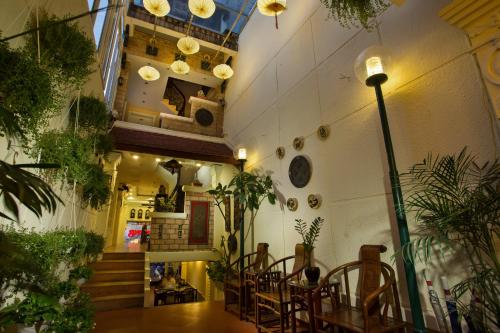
{"x": 371, "y": 68}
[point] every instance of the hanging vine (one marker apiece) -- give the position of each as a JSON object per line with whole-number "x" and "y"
{"x": 352, "y": 13}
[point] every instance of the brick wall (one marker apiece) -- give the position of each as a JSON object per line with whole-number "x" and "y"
{"x": 169, "y": 228}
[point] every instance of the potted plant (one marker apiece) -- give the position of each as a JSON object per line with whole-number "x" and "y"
{"x": 456, "y": 203}
{"x": 80, "y": 274}
{"x": 309, "y": 237}
{"x": 353, "y": 12}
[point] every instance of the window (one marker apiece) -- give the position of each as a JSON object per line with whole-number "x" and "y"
{"x": 100, "y": 19}
{"x": 91, "y": 4}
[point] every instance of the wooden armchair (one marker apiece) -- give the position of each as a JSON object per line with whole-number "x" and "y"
{"x": 272, "y": 295}
{"x": 371, "y": 315}
{"x": 234, "y": 286}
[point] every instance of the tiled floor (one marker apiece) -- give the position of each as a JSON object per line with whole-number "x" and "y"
{"x": 202, "y": 317}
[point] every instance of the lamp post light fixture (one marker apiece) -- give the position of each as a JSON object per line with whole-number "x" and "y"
{"x": 371, "y": 68}
{"x": 241, "y": 153}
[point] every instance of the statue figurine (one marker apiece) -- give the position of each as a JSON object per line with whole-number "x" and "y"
{"x": 161, "y": 200}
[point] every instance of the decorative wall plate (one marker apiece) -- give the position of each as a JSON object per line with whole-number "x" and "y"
{"x": 292, "y": 204}
{"x": 298, "y": 143}
{"x": 323, "y": 132}
{"x": 204, "y": 117}
{"x": 314, "y": 201}
{"x": 280, "y": 152}
{"x": 299, "y": 171}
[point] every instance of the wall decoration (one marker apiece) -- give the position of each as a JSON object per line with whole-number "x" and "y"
{"x": 132, "y": 213}
{"x": 314, "y": 201}
{"x": 280, "y": 152}
{"x": 179, "y": 231}
{"x": 298, "y": 143}
{"x": 204, "y": 117}
{"x": 198, "y": 224}
{"x": 139, "y": 214}
{"x": 299, "y": 171}
{"x": 292, "y": 204}
{"x": 227, "y": 215}
{"x": 323, "y": 132}
{"x": 147, "y": 214}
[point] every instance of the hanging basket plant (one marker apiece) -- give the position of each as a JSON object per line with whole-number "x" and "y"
{"x": 64, "y": 48}
{"x": 352, "y": 13}
{"x": 92, "y": 114}
{"x": 26, "y": 95}
{"x": 96, "y": 189}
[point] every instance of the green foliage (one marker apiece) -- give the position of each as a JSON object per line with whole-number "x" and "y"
{"x": 456, "y": 203}
{"x": 217, "y": 270}
{"x": 353, "y": 12}
{"x": 252, "y": 190}
{"x": 94, "y": 246}
{"x": 26, "y": 95}
{"x": 65, "y": 49}
{"x": 92, "y": 114}
{"x": 80, "y": 272}
{"x": 77, "y": 316}
{"x": 95, "y": 189}
{"x": 103, "y": 144}
{"x": 18, "y": 185}
{"x": 309, "y": 235}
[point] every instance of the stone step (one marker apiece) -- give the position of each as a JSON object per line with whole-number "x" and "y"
{"x": 106, "y": 303}
{"x": 123, "y": 256}
{"x": 100, "y": 289}
{"x": 109, "y": 265}
{"x": 117, "y": 275}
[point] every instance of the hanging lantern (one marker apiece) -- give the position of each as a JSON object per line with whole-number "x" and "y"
{"x": 188, "y": 45}
{"x": 149, "y": 73}
{"x": 180, "y": 67}
{"x": 158, "y": 8}
{"x": 271, "y": 8}
{"x": 202, "y": 8}
{"x": 223, "y": 71}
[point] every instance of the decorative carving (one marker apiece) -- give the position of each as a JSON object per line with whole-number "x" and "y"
{"x": 314, "y": 201}
{"x": 298, "y": 143}
{"x": 280, "y": 152}
{"x": 323, "y": 132}
{"x": 299, "y": 171}
{"x": 292, "y": 204}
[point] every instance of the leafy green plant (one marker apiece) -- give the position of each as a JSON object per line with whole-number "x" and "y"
{"x": 217, "y": 270}
{"x": 26, "y": 95}
{"x": 81, "y": 272}
{"x": 77, "y": 316}
{"x": 456, "y": 203}
{"x": 309, "y": 235}
{"x": 92, "y": 114}
{"x": 103, "y": 144}
{"x": 95, "y": 188}
{"x": 353, "y": 12}
{"x": 94, "y": 245}
{"x": 65, "y": 49}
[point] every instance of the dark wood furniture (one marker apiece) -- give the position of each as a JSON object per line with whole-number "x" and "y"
{"x": 272, "y": 295}
{"x": 301, "y": 299}
{"x": 372, "y": 313}
{"x": 234, "y": 282}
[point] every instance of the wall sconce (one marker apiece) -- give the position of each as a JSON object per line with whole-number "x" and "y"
{"x": 371, "y": 68}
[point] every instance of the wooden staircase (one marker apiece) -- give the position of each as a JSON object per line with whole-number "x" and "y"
{"x": 117, "y": 282}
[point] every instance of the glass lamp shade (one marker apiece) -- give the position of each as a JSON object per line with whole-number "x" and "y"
{"x": 149, "y": 73}
{"x": 271, "y": 7}
{"x": 158, "y": 8}
{"x": 202, "y": 8}
{"x": 180, "y": 67}
{"x": 188, "y": 45}
{"x": 223, "y": 71}
{"x": 372, "y": 64}
{"x": 240, "y": 152}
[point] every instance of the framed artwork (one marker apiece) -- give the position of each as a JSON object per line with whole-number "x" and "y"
{"x": 198, "y": 224}
{"x": 132, "y": 213}
{"x": 147, "y": 214}
{"x": 139, "y": 214}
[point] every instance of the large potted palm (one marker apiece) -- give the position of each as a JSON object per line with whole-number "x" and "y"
{"x": 456, "y": 203}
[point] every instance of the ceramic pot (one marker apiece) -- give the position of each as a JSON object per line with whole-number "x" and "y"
{"x": 312, "y": 274}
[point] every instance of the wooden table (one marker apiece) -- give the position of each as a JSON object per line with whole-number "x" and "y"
{"x": 301, "y": 300}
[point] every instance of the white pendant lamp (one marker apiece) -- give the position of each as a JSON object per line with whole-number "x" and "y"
{"x": 188, "y": 45}
{"x": 202, "y": 8}
{"x": 180, "y": 67}
{"x": 158, "y": 8}
{"x": 149, "y": 73}
{"x": 223, "y": 71}
{"x": 271, "y": 8}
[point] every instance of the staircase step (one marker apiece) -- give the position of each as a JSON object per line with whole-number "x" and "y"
{"x": 114, "y": 302}
{"x": 123, "y": 256}
{"x": 104, "y": 265}
{"x": 100, "y": 289}
{"x": 117, "y": 275}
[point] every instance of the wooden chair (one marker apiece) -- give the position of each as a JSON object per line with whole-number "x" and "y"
{"x": 371, "y": 315}
{"x": 164, "y": 297}
{"x": 234, "y": 284}
{"x": 272, "y": 295}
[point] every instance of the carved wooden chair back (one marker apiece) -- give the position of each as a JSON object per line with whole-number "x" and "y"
{"x": 261, "y": 257}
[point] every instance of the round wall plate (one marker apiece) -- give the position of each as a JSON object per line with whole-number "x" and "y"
{"x": 314, "y": 201}
{"x": 280, "y": 152}
{"x": 298, "y": 143}
{"x": 204, "y": 117}
{"x": 292, "y": 204}
{"x": 299, "y": 171}
{"x": 323, "y": 132}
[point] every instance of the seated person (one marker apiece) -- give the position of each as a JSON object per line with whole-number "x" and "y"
{"x": 168, "y": 282}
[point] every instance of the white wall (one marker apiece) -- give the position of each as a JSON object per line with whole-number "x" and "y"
{"x": 290, "y": 81}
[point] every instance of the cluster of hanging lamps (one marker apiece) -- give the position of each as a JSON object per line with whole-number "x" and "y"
{"x": 149, "y": 73}
{"x": 271, "y": 8}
